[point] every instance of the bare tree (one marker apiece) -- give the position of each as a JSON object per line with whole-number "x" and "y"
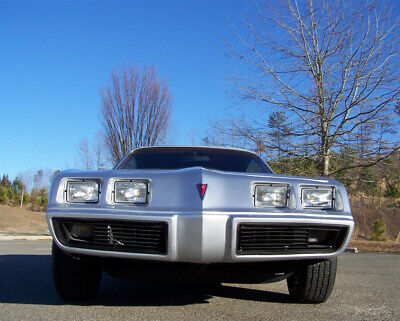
{"x": 42, "y": 178}
{"x": 38, "y": 179}
{"x": 397, "y": 108}
{"x": 85, "y": 154}
{"x": 98, "y": 151}
{"x": 136, "y": 110}
{"x": 26, "y": 178}
{"x": 93, "y": 155}
{"x": 331, "y": 66}
{"x": 233, "y": 132}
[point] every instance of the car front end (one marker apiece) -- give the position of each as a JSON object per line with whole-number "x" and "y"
{"x": 174, "y": 222}
{"x": 206, "y": 214}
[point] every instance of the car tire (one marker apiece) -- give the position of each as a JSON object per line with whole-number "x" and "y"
{"x": 75, "y": 279}
{"x": 313, "y": 282}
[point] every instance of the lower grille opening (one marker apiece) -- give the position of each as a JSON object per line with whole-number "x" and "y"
{"x": 264, "y": 239}
{"x": 113, "y": 235}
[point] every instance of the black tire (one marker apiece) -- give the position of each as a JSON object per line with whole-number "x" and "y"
{"x": 75, "y": 279}
{"x": 313, "y": 282}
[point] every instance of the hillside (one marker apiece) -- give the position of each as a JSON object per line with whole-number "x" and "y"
{"x": 16, "y": 220}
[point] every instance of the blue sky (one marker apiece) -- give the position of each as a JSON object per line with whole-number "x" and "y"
{"x": 55, "y": 55}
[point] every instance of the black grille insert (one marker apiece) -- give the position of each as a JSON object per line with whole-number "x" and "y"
{"x": 113, "y": 235}
{"x": 254, "y": 239}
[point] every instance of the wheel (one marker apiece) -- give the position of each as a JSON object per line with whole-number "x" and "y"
{"x": 313, "y": 282}
{"x": 74, "y": 279}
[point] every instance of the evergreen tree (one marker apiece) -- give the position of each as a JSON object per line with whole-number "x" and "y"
{"x": 3, "y": 195}
{"x": 279, "y": 133}
{"x": 379, "y": 229}
{"x": 5, "y": 181}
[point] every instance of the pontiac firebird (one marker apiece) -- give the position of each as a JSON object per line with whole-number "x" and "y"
{"x": 196, "y": 213}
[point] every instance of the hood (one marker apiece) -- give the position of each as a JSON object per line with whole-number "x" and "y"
{"x": 177, "y": 190}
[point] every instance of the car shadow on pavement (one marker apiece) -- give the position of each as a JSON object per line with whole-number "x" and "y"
{"x": 27, "y": 279}
{"x": 240, "y": 293}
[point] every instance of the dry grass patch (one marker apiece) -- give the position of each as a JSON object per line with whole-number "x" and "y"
{"x": 16, "y": 220}
{"x": 366, "y": 211}
{"x": 373, "y": 246}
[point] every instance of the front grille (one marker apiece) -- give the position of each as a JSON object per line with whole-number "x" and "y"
{"x": 112, "y": 235}
{"x": 264, "y": 239}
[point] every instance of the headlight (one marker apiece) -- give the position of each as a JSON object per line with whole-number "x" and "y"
{"x": 131, "y": 192}
{"x": 271, "y": 196}
{"x": 83, "y": 191}
{"x": 318, "y": 197}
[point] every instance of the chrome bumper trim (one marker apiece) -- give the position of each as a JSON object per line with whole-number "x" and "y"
{"x": 205, "y": 237}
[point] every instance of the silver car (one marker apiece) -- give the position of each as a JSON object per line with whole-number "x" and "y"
{"x": 201, "y": 214}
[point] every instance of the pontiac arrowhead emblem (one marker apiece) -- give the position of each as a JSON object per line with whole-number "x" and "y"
{"x": 202, "y": 190}
{"x": 111, "y": 239}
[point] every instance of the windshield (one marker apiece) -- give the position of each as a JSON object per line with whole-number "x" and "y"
{"x": 184, "y": 157}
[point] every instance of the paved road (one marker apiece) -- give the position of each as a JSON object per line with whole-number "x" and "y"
{"x": 367, "y": 288}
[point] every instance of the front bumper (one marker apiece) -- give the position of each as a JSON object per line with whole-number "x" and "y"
{"x": 203, "y": 237}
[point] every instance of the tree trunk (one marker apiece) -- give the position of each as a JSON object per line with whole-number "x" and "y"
{"x": 325, "y": 157}
{"x": 325, "y": 148}
{"x": 22, "y": 197}
{"x": 325, "y": 165}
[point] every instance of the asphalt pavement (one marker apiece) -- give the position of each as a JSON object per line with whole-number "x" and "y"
{"x": 367, "y": 288}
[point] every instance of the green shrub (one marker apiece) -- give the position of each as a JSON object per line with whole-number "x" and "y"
{"x": 393, "y": 191}
{"x": 379, "y": 231}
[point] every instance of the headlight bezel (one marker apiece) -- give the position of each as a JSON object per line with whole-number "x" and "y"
{"x": 140, "y": 181}
{"x": 273, "y": 185}
{"x": 331, "y": 189}
{"x": 82, "y": 181}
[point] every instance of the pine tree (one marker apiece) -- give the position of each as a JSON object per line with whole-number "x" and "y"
{"x": 3, "y": 195}
{"x": 379, "y": 229}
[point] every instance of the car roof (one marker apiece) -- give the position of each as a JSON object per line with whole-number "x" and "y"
{"x": 194, "y": 147}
